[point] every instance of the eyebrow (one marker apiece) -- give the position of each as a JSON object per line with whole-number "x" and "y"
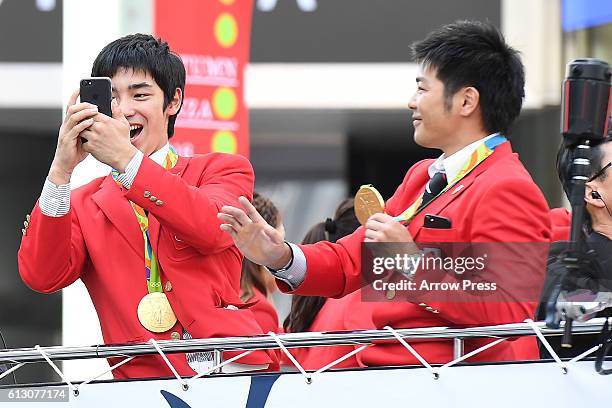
{"x": 138, "y": 85}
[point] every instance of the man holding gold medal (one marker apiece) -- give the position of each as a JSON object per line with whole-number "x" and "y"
{"x": 470, "y": 89}
{"x": 145, "y": 240}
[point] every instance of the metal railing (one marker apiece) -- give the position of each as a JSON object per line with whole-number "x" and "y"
{"x": 291, "y": 340}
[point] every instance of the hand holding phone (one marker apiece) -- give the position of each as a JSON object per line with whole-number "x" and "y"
{"x": 79, "y": 117}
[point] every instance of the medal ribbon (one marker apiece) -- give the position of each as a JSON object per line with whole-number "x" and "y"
{"x": 483, "y": 151}
{"x": 150, "y": 260}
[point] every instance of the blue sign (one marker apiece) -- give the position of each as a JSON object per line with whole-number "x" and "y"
{"x": 581, "y": 14}
{"x": 258, "y": 393}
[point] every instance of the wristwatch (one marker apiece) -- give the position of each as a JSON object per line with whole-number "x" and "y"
{"x": 409, "y": 271}
{"x": 276, "y": 272}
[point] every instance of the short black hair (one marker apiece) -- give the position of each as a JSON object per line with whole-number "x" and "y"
{"x": 471, "y": 53}
{"x": 143, "y": 52}
{"x": 564, "y": 168}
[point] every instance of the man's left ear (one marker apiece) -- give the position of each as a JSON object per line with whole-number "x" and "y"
{"x": 470, "y": 100}
{"x": 175, "y": 104}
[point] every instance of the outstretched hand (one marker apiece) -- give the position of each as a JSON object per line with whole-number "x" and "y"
{"x": 253, "y": 236}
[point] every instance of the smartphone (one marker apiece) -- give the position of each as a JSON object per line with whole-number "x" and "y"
{"x": 436, "y": 221}
{"x": 98, "y": 91}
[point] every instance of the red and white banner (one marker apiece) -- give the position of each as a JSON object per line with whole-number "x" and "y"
{"x": 212, "y": 37}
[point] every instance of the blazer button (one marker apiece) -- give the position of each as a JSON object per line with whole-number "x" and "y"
{"x": 390, "y": 294}
{"x": 28, "y": 218}
{"x": 168, "y": 286}
{"x": 175, "y": 336}
{"x": 147, "y": 194}
{"x": 159, "y": 202}
{"x": 153, "y": 198}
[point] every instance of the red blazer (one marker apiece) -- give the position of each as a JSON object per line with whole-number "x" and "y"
{"x": 264, "y": 312}
{"x": 561, "y": 222}
{"x": 499, "y": 202}
{"x": 347, "y": 313}
{"x": 100, "y": 242}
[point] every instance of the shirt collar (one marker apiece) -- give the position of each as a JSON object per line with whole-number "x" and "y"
{"x": 452, "y": 164}
{"x": 160, "y": 155}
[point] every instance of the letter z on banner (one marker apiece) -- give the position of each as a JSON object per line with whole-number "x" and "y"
{"x": 212, "y": 37}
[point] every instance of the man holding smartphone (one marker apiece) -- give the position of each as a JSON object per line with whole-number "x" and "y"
{"x": 469, "y": 91}
{"x": 145, "y": 240}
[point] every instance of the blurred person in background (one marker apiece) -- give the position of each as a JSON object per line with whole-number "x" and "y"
{"x": 145, "y": 239}
{"x": 256, "y": 284}
{"x": 319, "y": 314}
{"x": 470, "y": 89}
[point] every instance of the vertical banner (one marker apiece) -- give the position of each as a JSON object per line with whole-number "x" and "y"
{"x": 212, "y": 37}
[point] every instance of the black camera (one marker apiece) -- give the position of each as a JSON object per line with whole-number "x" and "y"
{"x": 586, "y": 101}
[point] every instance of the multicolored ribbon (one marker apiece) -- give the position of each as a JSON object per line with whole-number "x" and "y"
{"x": 483, "y": 151}
{"x": 150, "y": 260}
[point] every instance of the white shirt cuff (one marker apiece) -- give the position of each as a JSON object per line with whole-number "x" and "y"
{"x": 55, "y": 199}
{"x": 127, "y": 178}
{"x": 294, "y": 272}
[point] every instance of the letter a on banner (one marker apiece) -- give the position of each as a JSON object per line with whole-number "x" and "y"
{"x": 212, "y": 37}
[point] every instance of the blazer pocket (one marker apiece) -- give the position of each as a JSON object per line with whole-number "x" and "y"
{"x": 434, "y": 235}
{"x": 180, "y": 250}
{"x": 179, "y": 244}
{"x": 224, "y": 302}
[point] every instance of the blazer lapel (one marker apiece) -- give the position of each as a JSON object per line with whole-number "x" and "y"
{"x": 118, "y": 210}
{"x": 154, "y": 225}
{"x": 441, "y": 202}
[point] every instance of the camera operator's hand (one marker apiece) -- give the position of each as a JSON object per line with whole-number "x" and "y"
{"x": 108, "y": 139}
{"x": 588, "y": 275}
{"x": 69, "y": 151}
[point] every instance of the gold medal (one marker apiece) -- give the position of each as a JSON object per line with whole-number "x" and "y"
{"x": 368, "y": 202}
{"x": 155, "y": 312}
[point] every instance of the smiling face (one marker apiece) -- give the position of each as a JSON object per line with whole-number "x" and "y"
{"x": 434, "y": 121}
{"x": 142, "y": 102}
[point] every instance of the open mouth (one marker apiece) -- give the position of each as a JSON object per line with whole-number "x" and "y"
{"x": 135, "y": 130}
